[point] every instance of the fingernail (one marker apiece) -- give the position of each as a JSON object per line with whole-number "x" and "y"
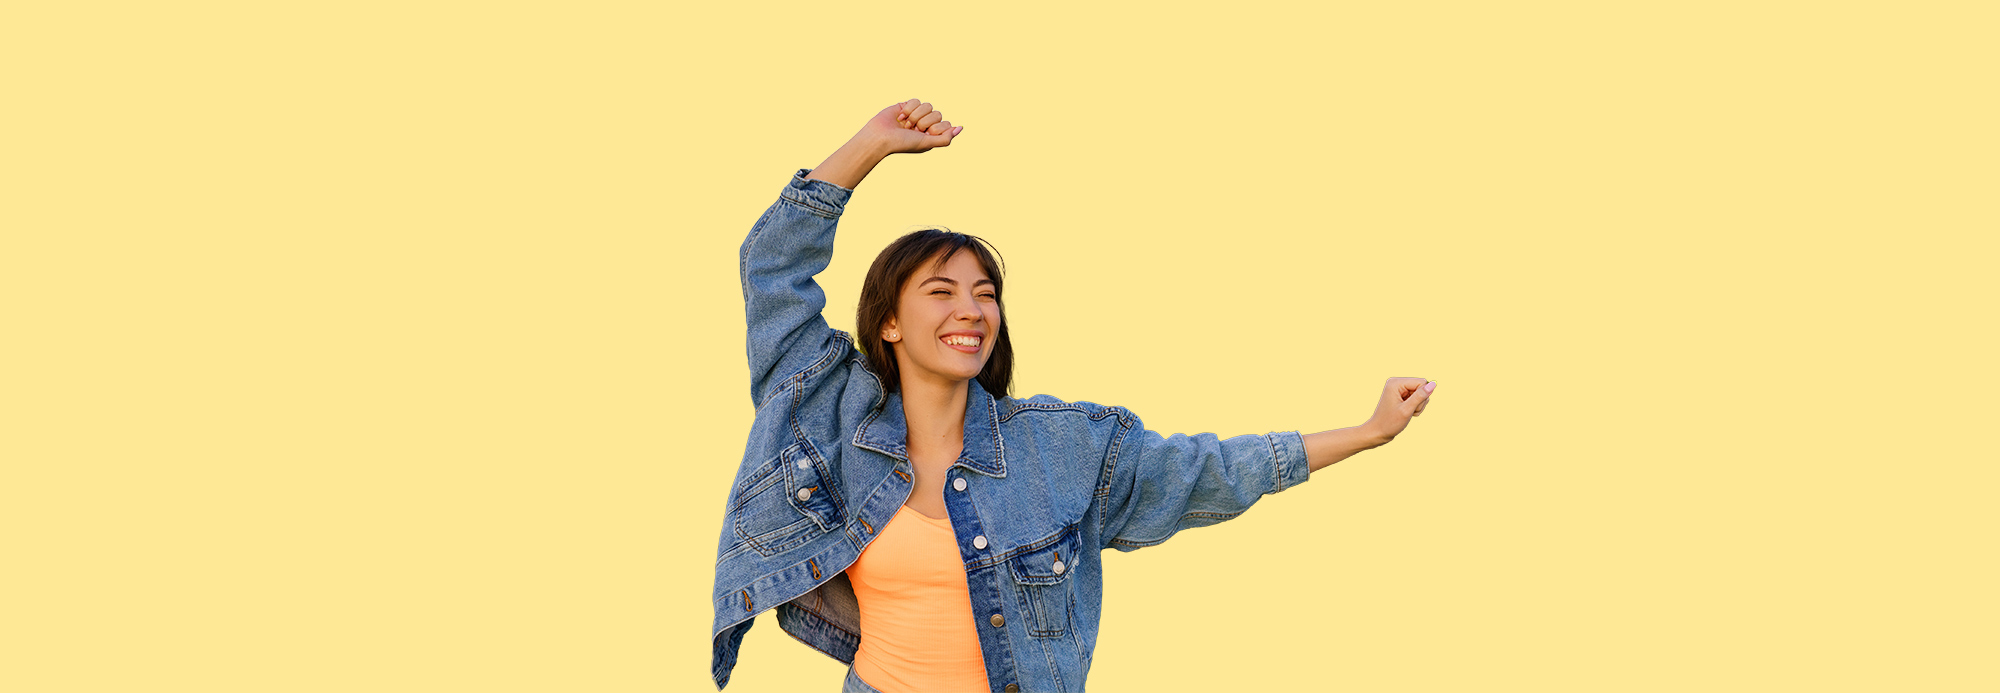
{"x": 1432, "y": 385}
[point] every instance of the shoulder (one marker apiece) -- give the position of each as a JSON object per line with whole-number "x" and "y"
{"x": 1049, "y": 409}
{"x": 822, "y": 388}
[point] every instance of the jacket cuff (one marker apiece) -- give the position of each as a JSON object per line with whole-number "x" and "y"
{"x": 1289, "y": 451}
{"x": 823, "y": 198}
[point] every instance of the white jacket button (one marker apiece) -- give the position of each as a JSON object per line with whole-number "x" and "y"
{"x": 979, "y": 542}
{"x": 1059, "y": 567}
{"x": 805, "y": 493}
{"x": 958, "y": 483}
{"x": 803, "y": 464}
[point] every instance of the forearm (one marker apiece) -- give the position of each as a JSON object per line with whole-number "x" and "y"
{"x": 851, "y": 163}
{"x": 1327, "y": 447}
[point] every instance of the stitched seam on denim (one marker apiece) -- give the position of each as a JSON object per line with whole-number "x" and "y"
{"x": 800, "y": 198}
{"x": 1177, "y": 528}
{"x": 798, "y": 402}
{"x": 1020, "y": 406}
{"x": 1110, "y": 472}
{"x": 744, "y": 495}
{"x": 823, "y": 617}
{"x": 1277, "y": 464}
{"x": 999, "y": 446}
{"x": 1020, "y": 550}
{"x": 1217, "y": 516}
{"x": 743, "y": 256}
{"x": 859, "y": 443}
{"x": 826, "y": 356}
{"x": 795, "y": 383}
{"x": 772, "y": 549}
{"x": 1049, "y": 653}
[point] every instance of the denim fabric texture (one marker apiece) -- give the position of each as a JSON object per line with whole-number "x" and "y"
{"x": 854, "y": 684}
{"x": 1049, "y": 484}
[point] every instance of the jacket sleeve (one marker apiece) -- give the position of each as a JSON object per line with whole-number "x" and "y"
{"x": 790, "y": 244}
{"x": 1158, "y": 485}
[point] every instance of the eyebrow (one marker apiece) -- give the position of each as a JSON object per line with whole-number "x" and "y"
{"x": 954, "y": 282}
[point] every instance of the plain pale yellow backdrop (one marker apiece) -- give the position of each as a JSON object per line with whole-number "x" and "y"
{"x": 399, "y": 347}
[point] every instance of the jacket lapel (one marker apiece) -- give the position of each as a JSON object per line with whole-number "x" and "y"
{"x": 886, "y": 431}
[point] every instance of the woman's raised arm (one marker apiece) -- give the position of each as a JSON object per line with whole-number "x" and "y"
{"x": 793, "y": 242}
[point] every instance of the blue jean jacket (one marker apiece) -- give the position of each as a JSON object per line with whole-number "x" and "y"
{"x": 1041, "y": 488}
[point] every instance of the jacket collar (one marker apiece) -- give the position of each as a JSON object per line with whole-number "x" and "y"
{"x": 886, "y": 430}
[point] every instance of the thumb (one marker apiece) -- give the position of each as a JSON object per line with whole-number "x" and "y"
{"x": 944, "y": 139}
{"x": 1409, "y": 407}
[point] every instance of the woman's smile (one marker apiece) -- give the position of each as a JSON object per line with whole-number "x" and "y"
{"x": 965, "y": 341}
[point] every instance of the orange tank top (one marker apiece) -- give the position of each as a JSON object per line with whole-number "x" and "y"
{"x": 916, "y": 613}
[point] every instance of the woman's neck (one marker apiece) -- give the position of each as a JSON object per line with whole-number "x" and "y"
{"x": 935, "y": 413}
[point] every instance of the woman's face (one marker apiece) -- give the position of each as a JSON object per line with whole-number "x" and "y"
{"x": 945, "y": 322}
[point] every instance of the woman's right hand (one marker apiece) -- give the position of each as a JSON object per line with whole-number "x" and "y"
{"x": 1402, "y": 399}
{"x": 910, "y": 127}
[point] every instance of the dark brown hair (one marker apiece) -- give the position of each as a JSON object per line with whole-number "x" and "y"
{"x": 882, "y": 290}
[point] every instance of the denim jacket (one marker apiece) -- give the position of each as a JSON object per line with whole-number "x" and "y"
{"x": 1040, "y": 489}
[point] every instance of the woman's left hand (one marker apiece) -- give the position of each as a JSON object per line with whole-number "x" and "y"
{"x": 1402, "y": 399}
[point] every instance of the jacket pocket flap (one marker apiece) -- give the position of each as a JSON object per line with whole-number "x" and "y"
{"x": 1050, "y": 562}
{"x": 806, "y": 487}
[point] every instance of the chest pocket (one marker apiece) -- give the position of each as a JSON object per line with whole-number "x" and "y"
{"x": 1041, "y": 577}
{"x": 786, "y": 502}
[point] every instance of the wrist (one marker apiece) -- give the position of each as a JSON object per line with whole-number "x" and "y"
{"x": 850, "y": 163}
{"x": 1373, "y": 435}
{"x": 874, "y": 148}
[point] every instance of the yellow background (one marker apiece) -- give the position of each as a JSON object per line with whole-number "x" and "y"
{"x": 393, "y": 347}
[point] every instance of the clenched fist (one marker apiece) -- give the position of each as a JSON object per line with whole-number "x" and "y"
{"x": 1401, "y": 400}
{"x": 912, "y": 126}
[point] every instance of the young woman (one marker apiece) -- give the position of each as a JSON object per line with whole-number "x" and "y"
{"x": 899, "y": 509}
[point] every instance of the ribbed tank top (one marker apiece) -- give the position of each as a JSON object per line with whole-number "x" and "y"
{"x": 917, "y": 633}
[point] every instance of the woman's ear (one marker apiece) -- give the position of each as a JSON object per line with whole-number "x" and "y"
{"x": 890, "y": 333}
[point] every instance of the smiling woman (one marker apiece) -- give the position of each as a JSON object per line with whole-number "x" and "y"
{"x": 899, "y": 509}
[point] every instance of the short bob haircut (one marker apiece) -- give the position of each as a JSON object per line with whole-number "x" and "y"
{"x": 882, "y": 290}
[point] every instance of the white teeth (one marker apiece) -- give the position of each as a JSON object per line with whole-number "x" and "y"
{"x": 962, "y": 340}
